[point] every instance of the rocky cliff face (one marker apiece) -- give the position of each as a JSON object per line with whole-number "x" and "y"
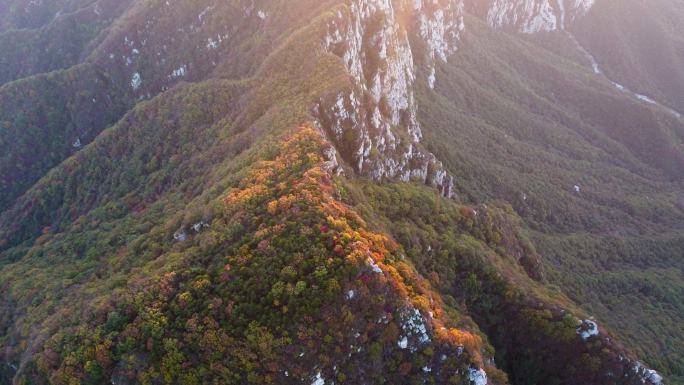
{"x": 531, "y": 16}
{"x": 374, "y": 122}
{"x": 385, "y": 45}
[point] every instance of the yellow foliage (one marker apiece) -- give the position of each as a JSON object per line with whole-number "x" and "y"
{"x": 272, "y": 207}
{"x": 284, "y": 186}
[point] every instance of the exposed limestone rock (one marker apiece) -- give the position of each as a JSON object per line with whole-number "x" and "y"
{"x": 587, "y": 329}
{"x": 527, "y": 15}
{"x": 331, "y": 165}
{"x": 374, "y": 124}
{"x": 648, "y": 376}
{"x": 414, "y": 330}
{"x": 318, "y": 380}
{"x": 136, "y": 81}
{"x": 199, "y": 226}
{"x": 477, "y": 376}
{"x": 179, "y": 72}
{"x": 180, "y": 235}
{"x": 531, "y": 16}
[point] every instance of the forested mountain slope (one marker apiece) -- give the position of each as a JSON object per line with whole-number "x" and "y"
{"x": 640, "y": 44}
{"x": 17, "y": 14}
{"x": 318, "y": 192}
{"x": 604, "y": 211}
{"x": 60, "y": 44}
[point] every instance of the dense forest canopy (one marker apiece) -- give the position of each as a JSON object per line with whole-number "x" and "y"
{"x": 341, "y": 192}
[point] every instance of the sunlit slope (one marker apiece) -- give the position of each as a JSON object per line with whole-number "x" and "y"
{"x": 126, "y": 215}
{"x": 279, "y": 283}
{"x": 136, "y": 180}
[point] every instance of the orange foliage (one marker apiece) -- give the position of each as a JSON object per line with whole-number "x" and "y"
{"x": 347, "y": 229}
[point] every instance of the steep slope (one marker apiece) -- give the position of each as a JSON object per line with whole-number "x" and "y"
{"x": 203, "y": 238}
{"x": 374, "y": 122}
{"x": 53, "y": 115}
{"x": 479, "y": 256}
{"x": 157, "y": 173}
{"x": 639, "y": 45}
{"x": 530, "y": 16}
{"x": 280, "y": 284}
{"x": 58, "y": 45}
{"x": 604, "y": 211}
{"x": 163, "y": 165}
{"x": 145, "y": 52}
{"x": 18, "y": 14}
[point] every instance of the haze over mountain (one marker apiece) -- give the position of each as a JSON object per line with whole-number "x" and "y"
{"x": 341, "y": 192}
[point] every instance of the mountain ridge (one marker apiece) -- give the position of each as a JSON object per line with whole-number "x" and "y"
{"x": 409, "y": 115}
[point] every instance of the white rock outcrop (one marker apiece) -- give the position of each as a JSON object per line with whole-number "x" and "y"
{"x": 648, "y": 376}
{"x": 587, "y": 329}
{"x": 414, "y": 330}
{"x": 374, "y": 40}
{"x": 477, "y": 376}
{"x": 136, "y": 81}
{"x": 531, "y": 16}
{"x": 180, "y": 235}
{"x": 318, "y": 380}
